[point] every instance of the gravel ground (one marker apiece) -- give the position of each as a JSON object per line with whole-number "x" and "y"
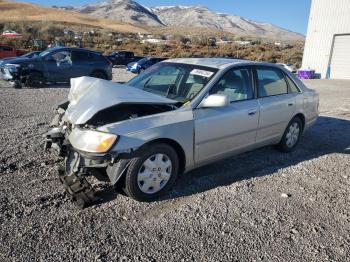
{"x": 260, "y": 206}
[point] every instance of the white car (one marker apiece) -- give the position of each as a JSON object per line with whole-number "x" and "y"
{"x": 176, "y": 116}
{"x": 291, "y": 68}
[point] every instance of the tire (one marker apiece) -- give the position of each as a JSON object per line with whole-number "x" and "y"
{"x": 291, "y": 136}
{"x": 17, "y": 84}
{"x": 35, "y": 80}
{"x": 148, "y": 184}
{"x": 99, "y": 74}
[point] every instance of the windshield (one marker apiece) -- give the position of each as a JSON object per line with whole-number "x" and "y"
{"x": 180, "y": 82}
{"x": 44, "y": 53}
{"x": 31, "y": 54}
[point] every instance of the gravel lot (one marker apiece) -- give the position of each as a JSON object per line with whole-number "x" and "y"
{"x": 260, "y": 206}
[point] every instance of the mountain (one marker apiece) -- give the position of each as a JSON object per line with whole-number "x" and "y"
{"x": 185, "y": 16}
{"x": 15, "y": 11}
{"x": 123, "y": 10}
{"x": 198, "y": 16}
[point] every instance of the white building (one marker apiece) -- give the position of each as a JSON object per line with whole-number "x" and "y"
{"x": 327, "y": 47}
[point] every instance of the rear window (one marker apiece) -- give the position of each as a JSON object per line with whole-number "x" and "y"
{"x": 80, "y": 56}
{"x": 86, "y": 56}
{"x": 6, "y": 48}
{"x": 271, "y": 82}
{"x": 129, "y": 55}
{"x": 97, "y": 57}
{"x": 292, "y": 86}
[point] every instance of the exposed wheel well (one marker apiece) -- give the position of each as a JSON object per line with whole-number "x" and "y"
{"x": 29, "y": 73}
{"x": 302, "y": 118}
{"x": 180, "y": 152}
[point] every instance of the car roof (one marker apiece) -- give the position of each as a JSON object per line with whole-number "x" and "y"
{"x": 72, "y": 48}
{"x": 219, "y": 63}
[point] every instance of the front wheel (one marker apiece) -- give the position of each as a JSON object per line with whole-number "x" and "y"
{"x": 35, "y": 80}
{"x": 291, "y": 136}
{"x": 152, "y": 172}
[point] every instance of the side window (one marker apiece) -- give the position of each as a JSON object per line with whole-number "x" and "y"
{"x": 63, "y": 57}
{"x": 96, "y": 57}
{"x": 236, "y": 84}
{"x": 128, "y": 55}
{"x": 271, "y": 82}
{"x": 80, "y": 56}
{"x": 292, "y": 86}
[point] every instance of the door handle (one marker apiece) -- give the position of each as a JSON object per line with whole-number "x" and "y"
{"x": 252, "y": 112}
{"x": 290, "y": 104}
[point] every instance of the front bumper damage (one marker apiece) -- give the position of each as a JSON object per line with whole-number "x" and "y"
{"x": 78, "y": 166}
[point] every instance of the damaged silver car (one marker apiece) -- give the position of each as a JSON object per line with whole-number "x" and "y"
{"x": 176, "y": 116}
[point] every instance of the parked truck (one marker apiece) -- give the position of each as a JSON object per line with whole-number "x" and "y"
{"x": 123, "y": 57}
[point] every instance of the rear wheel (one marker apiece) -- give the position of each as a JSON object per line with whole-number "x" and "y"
{"x": 152, "y": 173}
{"x": 99, "y": 74}
{"x": 291, "y": 136}
{"x": 35, "y": 80}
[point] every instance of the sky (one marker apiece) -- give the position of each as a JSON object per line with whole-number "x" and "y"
{"x": 292, "y": 15}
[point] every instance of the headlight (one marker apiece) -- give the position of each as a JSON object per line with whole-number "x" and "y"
{"x": 92, "y": 141}
{"x": 12, "y": 68}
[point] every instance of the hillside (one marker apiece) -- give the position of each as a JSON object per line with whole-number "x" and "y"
{"x": 15, "y": 11}
{"x": 185, "y": 16}
{"x": 202, "y": 17}
{"x": 123, "y": 10}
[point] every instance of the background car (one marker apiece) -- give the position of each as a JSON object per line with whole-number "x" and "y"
{"x": 143, "y": 64}
{"x": 123, "y": 57}
{"x": 57, "y": 65}
{"x": 290, "y": 67}
{"x": 176, "y": 116}
{"x": 10, "y": 59}
{"x": 9, "y": 51}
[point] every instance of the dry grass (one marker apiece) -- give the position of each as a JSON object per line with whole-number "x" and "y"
{"x": 13, "y": 11}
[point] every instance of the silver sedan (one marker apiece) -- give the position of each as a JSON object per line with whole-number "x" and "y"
{"x": 176, "y": 116}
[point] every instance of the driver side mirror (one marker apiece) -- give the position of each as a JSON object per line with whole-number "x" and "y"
{"x": 214, "y": 101}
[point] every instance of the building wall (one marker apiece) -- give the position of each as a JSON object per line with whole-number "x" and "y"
{"x": 327, "y": 18}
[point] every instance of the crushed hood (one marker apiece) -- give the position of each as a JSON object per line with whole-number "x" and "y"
{"x": 89, "y": 95}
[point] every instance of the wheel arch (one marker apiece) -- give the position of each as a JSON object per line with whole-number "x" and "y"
{"x": 301, "y": 116}
{"x": 116, "y": 173}
{"x": 177, "y": 147}
{"x": 25, "y": 76}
